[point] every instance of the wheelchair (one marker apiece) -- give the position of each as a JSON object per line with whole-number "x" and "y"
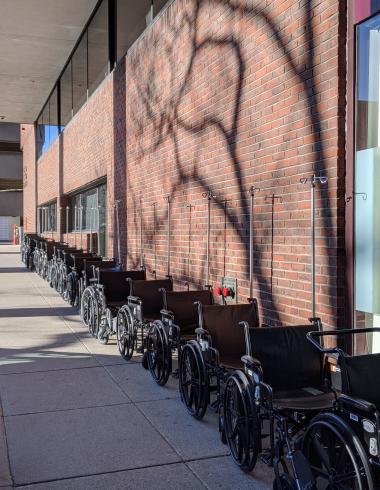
{"x": 88, "y": 282}
{"x": 342, "y": 444}
{"x": 70, "y": 276}
{"x": 57, "y": 266}
{"x": 201, "y": 367}
{"x": 110, "y": 294}
{"x": 134, "y": 318}
{"x": 179, "y": 319}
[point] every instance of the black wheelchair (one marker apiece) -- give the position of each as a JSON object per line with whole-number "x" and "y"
{"x": 70, "y": 274}
{"x": 270, "y": 393}
{"x": 201, "y": 366}
{"x": 342, "y": 444}
{"x": 134, "y": 319}
{"x": 179, "y": 319}
{"x": 88, "y": 287}
{"x": 112, "y": 292}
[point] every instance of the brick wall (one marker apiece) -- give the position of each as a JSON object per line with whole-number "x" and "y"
{"x": 221, "y": 96}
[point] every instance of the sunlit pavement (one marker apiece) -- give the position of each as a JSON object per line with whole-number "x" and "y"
{"x": 76, "y": 416}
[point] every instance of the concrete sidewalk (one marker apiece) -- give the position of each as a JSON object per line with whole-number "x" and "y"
{"x": 74, "y": 415}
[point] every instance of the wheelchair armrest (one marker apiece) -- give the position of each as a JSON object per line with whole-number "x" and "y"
{"x": 357, "y": 403}
{"x": 201, "y": 331}
{"x": 251, "y": 362}
{"x": 134, "y": 300}
{"x": 167, "y": 314}
{"x": 93, "y": 280}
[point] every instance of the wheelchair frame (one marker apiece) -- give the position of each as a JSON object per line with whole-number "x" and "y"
{"x": 131, "y": 322}
{"x": 354, "y": 422}
{"x": 164, "y": 337}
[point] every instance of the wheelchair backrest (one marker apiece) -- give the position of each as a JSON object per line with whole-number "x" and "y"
{"x": 97, "y": 262}
{"x": 181, "y": 304}
{"x": 360, "y": 377}
{"x": 116, "y": 286}
{"x": 288, "y": 360}
{"x": 150, "y": 294}
{"x": 222, "y": 322}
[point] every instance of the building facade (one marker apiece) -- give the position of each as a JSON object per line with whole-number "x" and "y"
{"x": 180, "y": 100}
{"x": 11, "y": 207}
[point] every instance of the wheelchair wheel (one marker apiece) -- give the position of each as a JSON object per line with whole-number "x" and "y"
{"x": 158, "y": 353}
{"x": 84, "y": 306}
{"x": 336, "y": 455}
{"x": 71, "y": 288}
{"x": 125, "y": 333}
{"x": 94, "y": 316}
{"x": 193, "y": 380}
{"x": 241, "y": 421}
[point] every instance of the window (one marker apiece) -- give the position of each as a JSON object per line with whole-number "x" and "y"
{"x": 88, "y": 213}
{"x": 132, "y": 19}
{"x": 79, "y": 71}
{"x": 98, "y": 47}
{"x": 47, "y": 218}
{"x": 66, "y": 87}
{"x": 53, "y": 117}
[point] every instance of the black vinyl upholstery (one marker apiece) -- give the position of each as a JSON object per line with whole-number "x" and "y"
{"x": 116, "y": 286}
{"x": 97, "y": 263}
{"x": 288, "y": 359}
{"x": 151, "y": 296}
{"x": 222, "y": 322}
{"x": 181, "y": 304}
{"x": 360, "y": 377}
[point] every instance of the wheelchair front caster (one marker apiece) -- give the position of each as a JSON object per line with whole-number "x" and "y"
{"x": 144, "y": 361}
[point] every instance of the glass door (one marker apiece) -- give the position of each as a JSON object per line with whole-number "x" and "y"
{"x": 367, "y": 183}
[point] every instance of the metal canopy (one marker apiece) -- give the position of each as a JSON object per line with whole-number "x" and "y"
{"x": 36, "y": 39}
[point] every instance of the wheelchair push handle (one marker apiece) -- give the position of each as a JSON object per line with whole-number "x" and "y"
{"x": 315, "y": 335}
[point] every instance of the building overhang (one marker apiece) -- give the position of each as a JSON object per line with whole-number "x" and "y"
{"x": 36, "y": 39}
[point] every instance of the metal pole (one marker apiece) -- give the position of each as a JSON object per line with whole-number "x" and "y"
{"x": 168, "y": 237}
{"x": 312, "y": 220}
{"x": 141, "y": 236}
{"x": 154, "y": 237}
{"x": 252, "y": 192}
{"x": 81, "y": 223}
{"x": 117, "y": 230}
{"x": 209, "y": 196}
{"x": 67, "y": 221}
{"x": 75, "y": 226}
{"x": 91, "y": 214}
{"x": 313, "y": 181}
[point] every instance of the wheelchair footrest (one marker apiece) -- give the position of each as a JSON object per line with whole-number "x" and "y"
{"x": 302, "y": 471}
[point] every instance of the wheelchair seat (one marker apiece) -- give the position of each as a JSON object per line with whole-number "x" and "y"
{"x": 360, "y": 377}
{"x": 181, "y": 304}
{"x": 222, "y": 323}
{"x": 151, "y": 296}
{"x": 292, "y": 367}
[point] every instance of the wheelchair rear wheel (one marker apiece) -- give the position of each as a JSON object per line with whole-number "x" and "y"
{"x": 93, "y": 315}
{"x": 242, "y": 425}
{"x": 125, "y": 333}
{"x": 193, "y": 380}
{"x": 336, "y": 455}
{"x": 158, "y": 353}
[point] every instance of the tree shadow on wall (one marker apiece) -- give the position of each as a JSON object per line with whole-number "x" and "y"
{"x": 161, "y": 87}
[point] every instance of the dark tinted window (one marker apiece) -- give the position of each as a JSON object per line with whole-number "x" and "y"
{"x": 158, "y": 6}
{"x": 98, "y": 47}
{"x": 79, "y": 66}
{"x": 132, "y": 19}
{"x": 66, "y": 96}
{"x": 53, "y": 117}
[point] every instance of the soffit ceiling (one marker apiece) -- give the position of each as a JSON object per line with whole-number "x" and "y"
{"x": 36, "y": 39}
